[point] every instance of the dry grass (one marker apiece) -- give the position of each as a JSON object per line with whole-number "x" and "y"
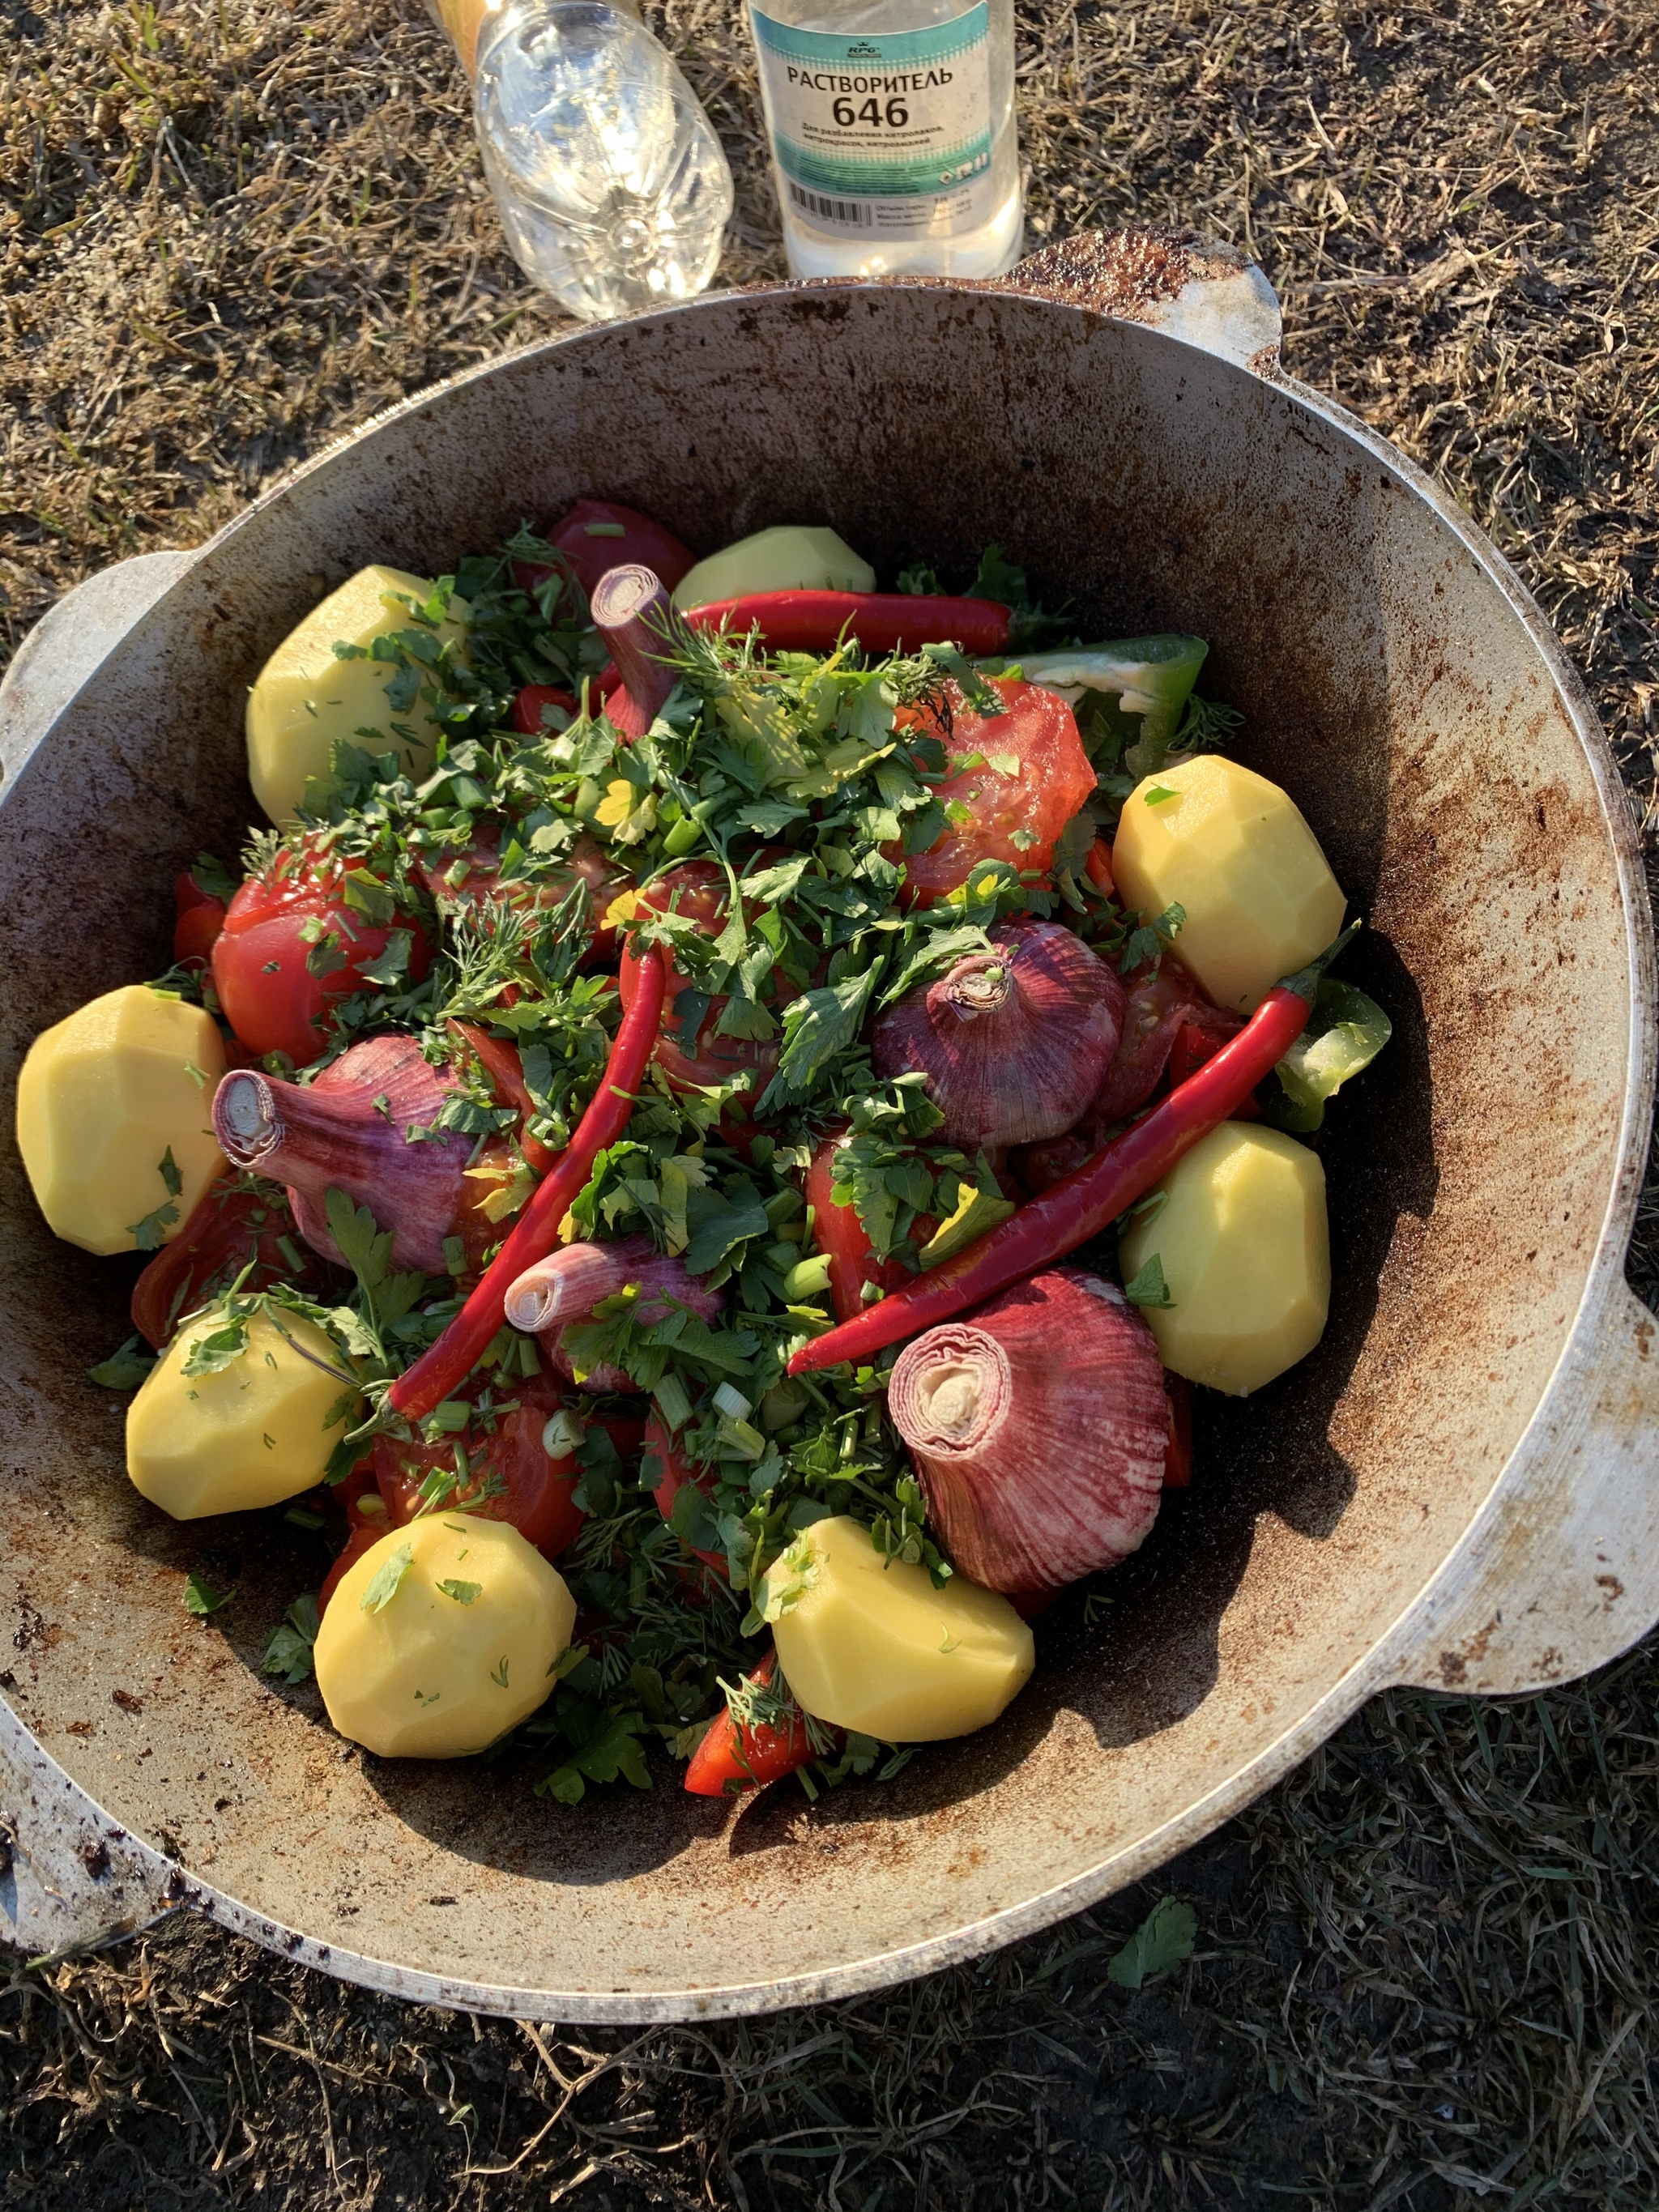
{"x": 1426, "y": 1963}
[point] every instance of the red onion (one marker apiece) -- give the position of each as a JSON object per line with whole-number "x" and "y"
{"x": 633, "y": 614}
{"x": 348, "y": 1132}
{"x": 563, "y": 1288}
{"x": 1039, "y": 1429}
{"x": 1014, "y": 1042}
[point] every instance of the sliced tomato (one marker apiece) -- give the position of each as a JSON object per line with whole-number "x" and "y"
{"x": 527, "y": 707}
{"x": 507, "y": 1473}
{"x": 841, "y": 1237}
{"x": 293, "y": 941}
{"x": 601, "y": 534}
{"x": 366, "y": 1522}
{"x": 201, "y": 915}
{"x": 1159, "y": 1006}
{"x": 732, "y": 1759}
{"x": 698, "y": 890}
{"x": 468, "y": 884}
{"x": 235, "y": 1223}
{"x": 664, "y": 1457}
{"x": 1031, "y": 774}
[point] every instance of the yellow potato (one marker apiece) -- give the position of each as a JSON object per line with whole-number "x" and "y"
{"x": 305, "y": 699}
{"x": 1232, "y": 850}
{"x": 875, "y": 1647}
{"x": 256, "y": 1431}
{"x": 1245, "y": 1249}
{"x": 789, "y": 558}
{"x": 442, "y": 1636}
{"x": 115, "y": 1118}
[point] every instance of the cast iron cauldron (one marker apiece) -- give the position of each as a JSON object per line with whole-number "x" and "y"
{"x": 1457, "y": 1489}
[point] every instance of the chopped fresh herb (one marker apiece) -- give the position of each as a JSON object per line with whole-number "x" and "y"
{"x": 288, "y": 1650}
{"x": 200, "y": 1596}
{"x": 1165, "y": 1939}
{"x": 463, "y": 1594}
{"x": 1148, "y": 1287}
{"x": 124, "y": 1370}
{"x": 384, "y": 1583}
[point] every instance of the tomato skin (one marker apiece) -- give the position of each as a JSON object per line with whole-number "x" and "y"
{"x": 1039, "y": 730}
{"x": 641, "y": 540}
{"x": 539, "y": 1499}
{"x": 363, "y": 1528}
{"x": 481, "y": 886}
{"x": 698, "y": 890}
{"x": 527, "y": 707}
{"x": 733, "y": 1759}
{"x": 663, "y": 1454}
{"x": 1040, "y": 1167}
{"x": 232, "y": 1224}
{"x": 201, "y": 916}
{"x": 838, "y": 1232}
{"x": 270, "y": 996}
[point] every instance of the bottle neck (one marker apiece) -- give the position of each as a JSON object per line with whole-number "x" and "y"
{"x": 474, "y": 25}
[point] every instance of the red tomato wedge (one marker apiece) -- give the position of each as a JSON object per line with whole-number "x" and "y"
{"x": 505, "y": 1473}
{"x": 1021, "y": 776}
{"x": 839, "y": 1235}
{"x": 201, "y": 917}
{"x": 234, "y": 1221}
{"x": 664, "y": 1456}
{"x": 297, "y": 936}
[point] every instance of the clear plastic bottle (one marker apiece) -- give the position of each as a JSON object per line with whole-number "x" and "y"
{"x": 612, "y": 187}
{"x": 893, "y": 136}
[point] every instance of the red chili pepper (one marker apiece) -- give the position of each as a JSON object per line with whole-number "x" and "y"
{"x": 1091, "y": 1197}
{"x": 536, "y": 1231}
{"x": 731, "y": 1758}
{"x": 527, "y": 707}
{"x": 1178, "y": 1454}
{"x": 501, "y": 1064}
{"x": 881, "y": 622}
{"x": 1098, "y": 867}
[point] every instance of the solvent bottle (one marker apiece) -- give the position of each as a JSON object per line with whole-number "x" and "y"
{"x": 893, "y": 136}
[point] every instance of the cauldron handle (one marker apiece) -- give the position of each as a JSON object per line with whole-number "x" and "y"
{"x": 1560, "y": 1572}
{"x": 1165, "y": 277}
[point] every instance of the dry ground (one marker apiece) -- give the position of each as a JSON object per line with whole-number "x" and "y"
{"x": 1426, "y": 1963}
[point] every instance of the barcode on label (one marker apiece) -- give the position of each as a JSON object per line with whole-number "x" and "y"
{"x": 857, "y": 215}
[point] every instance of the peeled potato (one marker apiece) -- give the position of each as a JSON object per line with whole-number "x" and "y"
{"x": 259, "y": 1429}
{"x": 1245, "y": 1249}
{"x": 1231, "y": 849}
{"x": 115, "y": 1118}
{"x": 305, "y": 699}
{"x": 443, "y": 1636}
{"x": 789, "y": 558}
{"x": 876, "y": 1647}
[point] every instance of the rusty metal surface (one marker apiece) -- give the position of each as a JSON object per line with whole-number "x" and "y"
{"x": 1482, "y": 1178}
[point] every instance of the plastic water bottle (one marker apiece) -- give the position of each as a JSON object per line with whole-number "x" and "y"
{"x": 612, "y": 188}
{"x": 893, "y": 136}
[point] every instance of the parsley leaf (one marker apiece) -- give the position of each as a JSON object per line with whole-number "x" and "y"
{"x": 201, "y": 1598}
{"x": 1163, "y": 1939}
{"x": 1149, "y": 1287}
{"x": 383, "y": 1587}
{"x": 462, "y": 1592}
{"x": 124, "y": 1370}
{"x": 288, "y": 1650}
{"x": 613, "y": 1751}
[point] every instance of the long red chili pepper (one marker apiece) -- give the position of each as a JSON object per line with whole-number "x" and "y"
{"x": 458, "y": 1351}
{"x": 881, "y": 622}
{"x": 1081, "y": 1205}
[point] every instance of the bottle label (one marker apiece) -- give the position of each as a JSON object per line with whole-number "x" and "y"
{"x": 887, "y": 133}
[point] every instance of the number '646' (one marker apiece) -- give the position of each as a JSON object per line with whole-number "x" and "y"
{"x": 895, "y": 115}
